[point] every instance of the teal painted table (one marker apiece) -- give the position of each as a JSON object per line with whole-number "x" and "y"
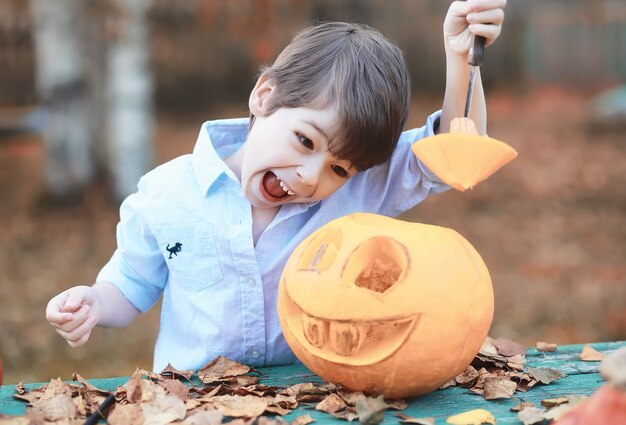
{"x": 582, "y": 378}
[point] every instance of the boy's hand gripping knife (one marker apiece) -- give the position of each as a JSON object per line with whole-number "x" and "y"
{"x": 463, "y": 158}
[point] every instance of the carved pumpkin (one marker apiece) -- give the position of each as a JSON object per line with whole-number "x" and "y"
{"x": 463, "y": 158}
{"x": 385, "y": 306}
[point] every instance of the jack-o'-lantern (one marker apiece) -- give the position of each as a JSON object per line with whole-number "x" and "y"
{"x": 385, "y": 306}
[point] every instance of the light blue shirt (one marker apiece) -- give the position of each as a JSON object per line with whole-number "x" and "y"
{"x": 220, "y": 290}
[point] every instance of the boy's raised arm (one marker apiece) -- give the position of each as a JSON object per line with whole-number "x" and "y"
{"x": 464, "y": 20}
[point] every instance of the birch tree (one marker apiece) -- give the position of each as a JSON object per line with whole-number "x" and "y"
{"x": 94, "y": 78}
{"x": 129, "y": 101}
{"x": 61, "y": 83}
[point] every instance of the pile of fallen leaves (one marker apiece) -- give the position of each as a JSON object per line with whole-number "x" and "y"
{"x": 225, "y": 390}
{"x": 498, "y": 370}
{"x": 228, "y": 391}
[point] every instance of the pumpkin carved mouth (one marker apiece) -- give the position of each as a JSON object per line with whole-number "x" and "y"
{"x": 370, "y": 273}
{"x": 351, "y": 342}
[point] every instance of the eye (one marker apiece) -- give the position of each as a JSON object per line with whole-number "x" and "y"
{"x": 306, "y": 142}
{"x": 340, "y": 171}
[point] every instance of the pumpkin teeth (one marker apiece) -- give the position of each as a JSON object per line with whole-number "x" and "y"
{"x": 346, "y": 338}
{"x": 314, "y": 330}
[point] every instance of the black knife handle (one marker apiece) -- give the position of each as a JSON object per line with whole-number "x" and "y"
{"x": 477, "y": 52}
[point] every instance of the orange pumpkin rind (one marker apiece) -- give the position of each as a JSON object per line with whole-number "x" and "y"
{"x": 384, "y": 306}
{"x": 462, "y": 158}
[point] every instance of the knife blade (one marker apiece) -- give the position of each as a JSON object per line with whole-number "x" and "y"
{"x": 475, "y": 58}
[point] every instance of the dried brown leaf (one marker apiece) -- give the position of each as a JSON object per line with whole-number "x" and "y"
{"x": 171, "y": 372}
{"x": 556, "y": 412}
{"x": 161, "y": 408}
{"x": 56, "y": 407}
{"x": 134, "y": 388}
{"x": 522, "y": 406}
{"x": 220, "y": 368}
{"x": 516, "y": 361}
{"x": 467, "y": 377}
{"x": 488, "y": 348}
{"x": 350, "y": 397}
{"x": 371, "y": 410}
{"x": 90, "y": 387}
{"x": 126, "y": 414}
{"x": 264, "y": 420}
{"x": 508, "y": 348}
{"x": 551, "y": 402}
{"x": 546, "y": 346}
{"x": 307, "y": 388}
{"x": 56, "y": 387}
{"x": 496, "y": 388}
{"x": 204, "y": 417}
{"x": 175, "y": 388}
{"x": 242, "y": 421}
{"x": 240, "y": 381}
{"x": 545, "y": 375}
{"x": 303, "y": 420}
{"x": 348, "y": 414}
{"x": 14, "y": 420}
{"x": 406, "y": 419}
{"x": 397, "y": 404}
{"x": 531, "y": 415}
{"x": 589, "y": 354}
{"x": 279, "y": 410}
{"x": 237, "y": 406}
{"x": 331, "y": 403}
{"x": 286, "y": 401}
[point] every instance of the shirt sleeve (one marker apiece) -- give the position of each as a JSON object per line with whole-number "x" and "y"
{"x": 137, "y": 267}
{"x": 402, "y": 182}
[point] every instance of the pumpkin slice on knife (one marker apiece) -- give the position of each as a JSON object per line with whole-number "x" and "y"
{"x": 463, "y": 158}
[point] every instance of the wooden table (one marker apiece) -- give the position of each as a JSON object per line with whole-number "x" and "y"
{"x": 582, "y": 378}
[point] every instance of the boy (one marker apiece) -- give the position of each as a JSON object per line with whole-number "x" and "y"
{"x": 211, "y": 231}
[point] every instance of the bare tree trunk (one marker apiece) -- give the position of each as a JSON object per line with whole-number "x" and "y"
{"x": 129, "y": 100}
{"x": 60, "y": 78}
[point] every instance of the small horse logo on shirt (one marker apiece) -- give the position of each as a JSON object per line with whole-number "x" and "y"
{"x": 174, "y": 250}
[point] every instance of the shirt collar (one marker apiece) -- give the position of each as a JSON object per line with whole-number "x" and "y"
{"x": 217, "y": 140}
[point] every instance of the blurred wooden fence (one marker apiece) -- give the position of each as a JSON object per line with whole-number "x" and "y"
{"x": 209, "y": 51}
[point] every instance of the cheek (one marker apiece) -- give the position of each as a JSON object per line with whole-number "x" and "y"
{"x": 328, "y": 186}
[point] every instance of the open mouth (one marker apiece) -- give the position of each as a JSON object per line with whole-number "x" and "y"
{"x": 352, "y": 342}
{"x": 274, "y": 189}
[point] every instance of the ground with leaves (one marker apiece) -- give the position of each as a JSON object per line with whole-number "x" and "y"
{"x": 551, "y": 227}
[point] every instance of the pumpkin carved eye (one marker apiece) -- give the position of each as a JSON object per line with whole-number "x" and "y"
{"x": 377, "y": 264}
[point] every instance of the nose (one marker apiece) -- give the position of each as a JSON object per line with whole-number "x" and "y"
{"x": 310, "y": 172}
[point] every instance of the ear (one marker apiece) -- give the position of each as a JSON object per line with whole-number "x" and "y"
{"x": 261, "y": 92}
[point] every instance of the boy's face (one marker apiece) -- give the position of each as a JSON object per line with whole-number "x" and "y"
{"x": 286, "y": 158}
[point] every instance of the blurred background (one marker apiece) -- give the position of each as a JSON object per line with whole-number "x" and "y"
{"x": 93, "y": 94}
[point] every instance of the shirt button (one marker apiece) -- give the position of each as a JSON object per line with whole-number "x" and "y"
{"x": 255, "y": 354}
{"x": 251, "y": 281}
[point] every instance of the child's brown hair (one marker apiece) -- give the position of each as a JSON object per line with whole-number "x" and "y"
{"x": 358, "y": 71}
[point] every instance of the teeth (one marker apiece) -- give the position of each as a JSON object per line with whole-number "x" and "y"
{"x": 346, "y": 338}
{"x": 286, "y": 188}
{"x": 314, "y": 330}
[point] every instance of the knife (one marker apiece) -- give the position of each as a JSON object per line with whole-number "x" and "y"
{"x": 475, "y": 58}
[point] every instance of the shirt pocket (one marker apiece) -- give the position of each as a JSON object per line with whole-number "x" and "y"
{"x": 191, "y": 256}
